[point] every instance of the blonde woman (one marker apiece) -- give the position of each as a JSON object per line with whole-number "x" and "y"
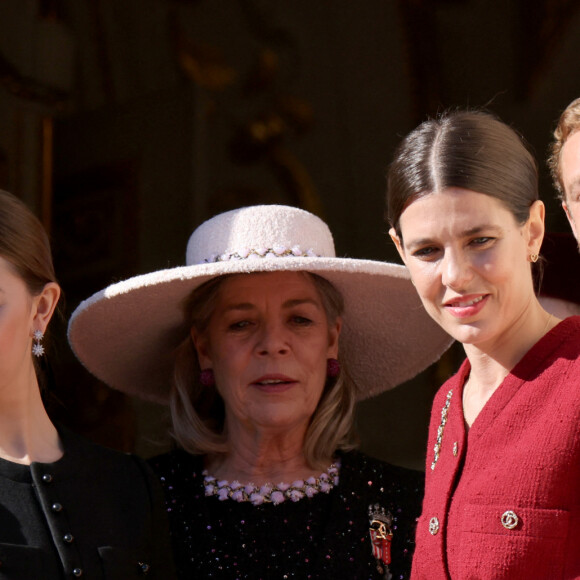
{"x": 261, "y": 345}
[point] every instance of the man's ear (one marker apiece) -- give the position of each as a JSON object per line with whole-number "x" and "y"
{"x": 573, "y": 224}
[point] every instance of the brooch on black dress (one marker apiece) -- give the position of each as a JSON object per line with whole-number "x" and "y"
{"x": 381, "y": 532}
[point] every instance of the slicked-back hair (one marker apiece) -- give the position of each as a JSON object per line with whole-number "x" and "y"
{"x": 471, "y": 150}
{"x": 24, "y": 244}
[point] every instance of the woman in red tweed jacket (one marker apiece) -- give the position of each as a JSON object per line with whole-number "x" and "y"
{"x": 502, "y": 495}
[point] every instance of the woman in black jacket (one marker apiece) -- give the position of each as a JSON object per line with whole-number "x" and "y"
{"x": 69, "y": 508}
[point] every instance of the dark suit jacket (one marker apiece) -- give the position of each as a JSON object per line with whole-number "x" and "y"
{"x": 95, "y": 513}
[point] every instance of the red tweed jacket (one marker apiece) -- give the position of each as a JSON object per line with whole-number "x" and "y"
{"x": 503, "y": 499}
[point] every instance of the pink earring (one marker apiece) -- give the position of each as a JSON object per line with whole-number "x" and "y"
{"x": 206, "y": 378}
{"x": 332, "y": 368}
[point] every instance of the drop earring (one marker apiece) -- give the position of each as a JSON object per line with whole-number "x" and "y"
{"x": 37, "y": 348}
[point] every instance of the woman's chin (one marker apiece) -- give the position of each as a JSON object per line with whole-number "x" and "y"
{"x": 278, "y": 418}
{"x": 466, "y": 333}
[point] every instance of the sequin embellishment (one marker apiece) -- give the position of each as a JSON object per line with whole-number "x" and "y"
{"x": 326, "y": 536}
{"x": 440, "y": 429}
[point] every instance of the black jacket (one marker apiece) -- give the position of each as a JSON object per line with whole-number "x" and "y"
{"x": 95, "y": 513}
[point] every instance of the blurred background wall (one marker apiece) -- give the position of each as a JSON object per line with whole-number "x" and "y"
{"x": 126, "y": 123}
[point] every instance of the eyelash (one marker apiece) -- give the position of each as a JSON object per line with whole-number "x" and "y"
{"x": 430, "y": 251}
{"x": 301, "y": 320}
{"x": 482, "y": 240}
{"x": 244, "y": 324}
{"x": 241, "y": 325}
{"x": 425, "y": 252}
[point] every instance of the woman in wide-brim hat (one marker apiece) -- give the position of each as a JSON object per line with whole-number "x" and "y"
{"x": 243, "y": 343}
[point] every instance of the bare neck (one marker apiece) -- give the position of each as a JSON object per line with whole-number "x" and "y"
{"x": 26, "y": 432}
{"x": 262, "y": 456}
{"x": 492, "y": 362}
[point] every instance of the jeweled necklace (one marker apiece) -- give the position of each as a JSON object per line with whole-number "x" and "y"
{"x": 270, "y": 493}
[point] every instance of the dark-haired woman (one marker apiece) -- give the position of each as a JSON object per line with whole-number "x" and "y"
{"x": 502, "y": 493}
{"x": 69, "y": 509}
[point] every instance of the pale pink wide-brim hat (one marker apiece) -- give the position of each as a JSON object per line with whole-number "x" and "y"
{"x": 127, "y": 333}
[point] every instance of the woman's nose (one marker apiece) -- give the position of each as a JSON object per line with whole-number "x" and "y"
{"x": 272, "y": 340}
{"x": 456, "y": 269}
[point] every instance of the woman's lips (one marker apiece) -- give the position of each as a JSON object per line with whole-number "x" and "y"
{"x": 273, "y": 383}
{"x": 466, "y": 306}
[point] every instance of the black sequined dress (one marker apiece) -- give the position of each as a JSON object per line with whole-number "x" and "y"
{"x": 326, "y": 536}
